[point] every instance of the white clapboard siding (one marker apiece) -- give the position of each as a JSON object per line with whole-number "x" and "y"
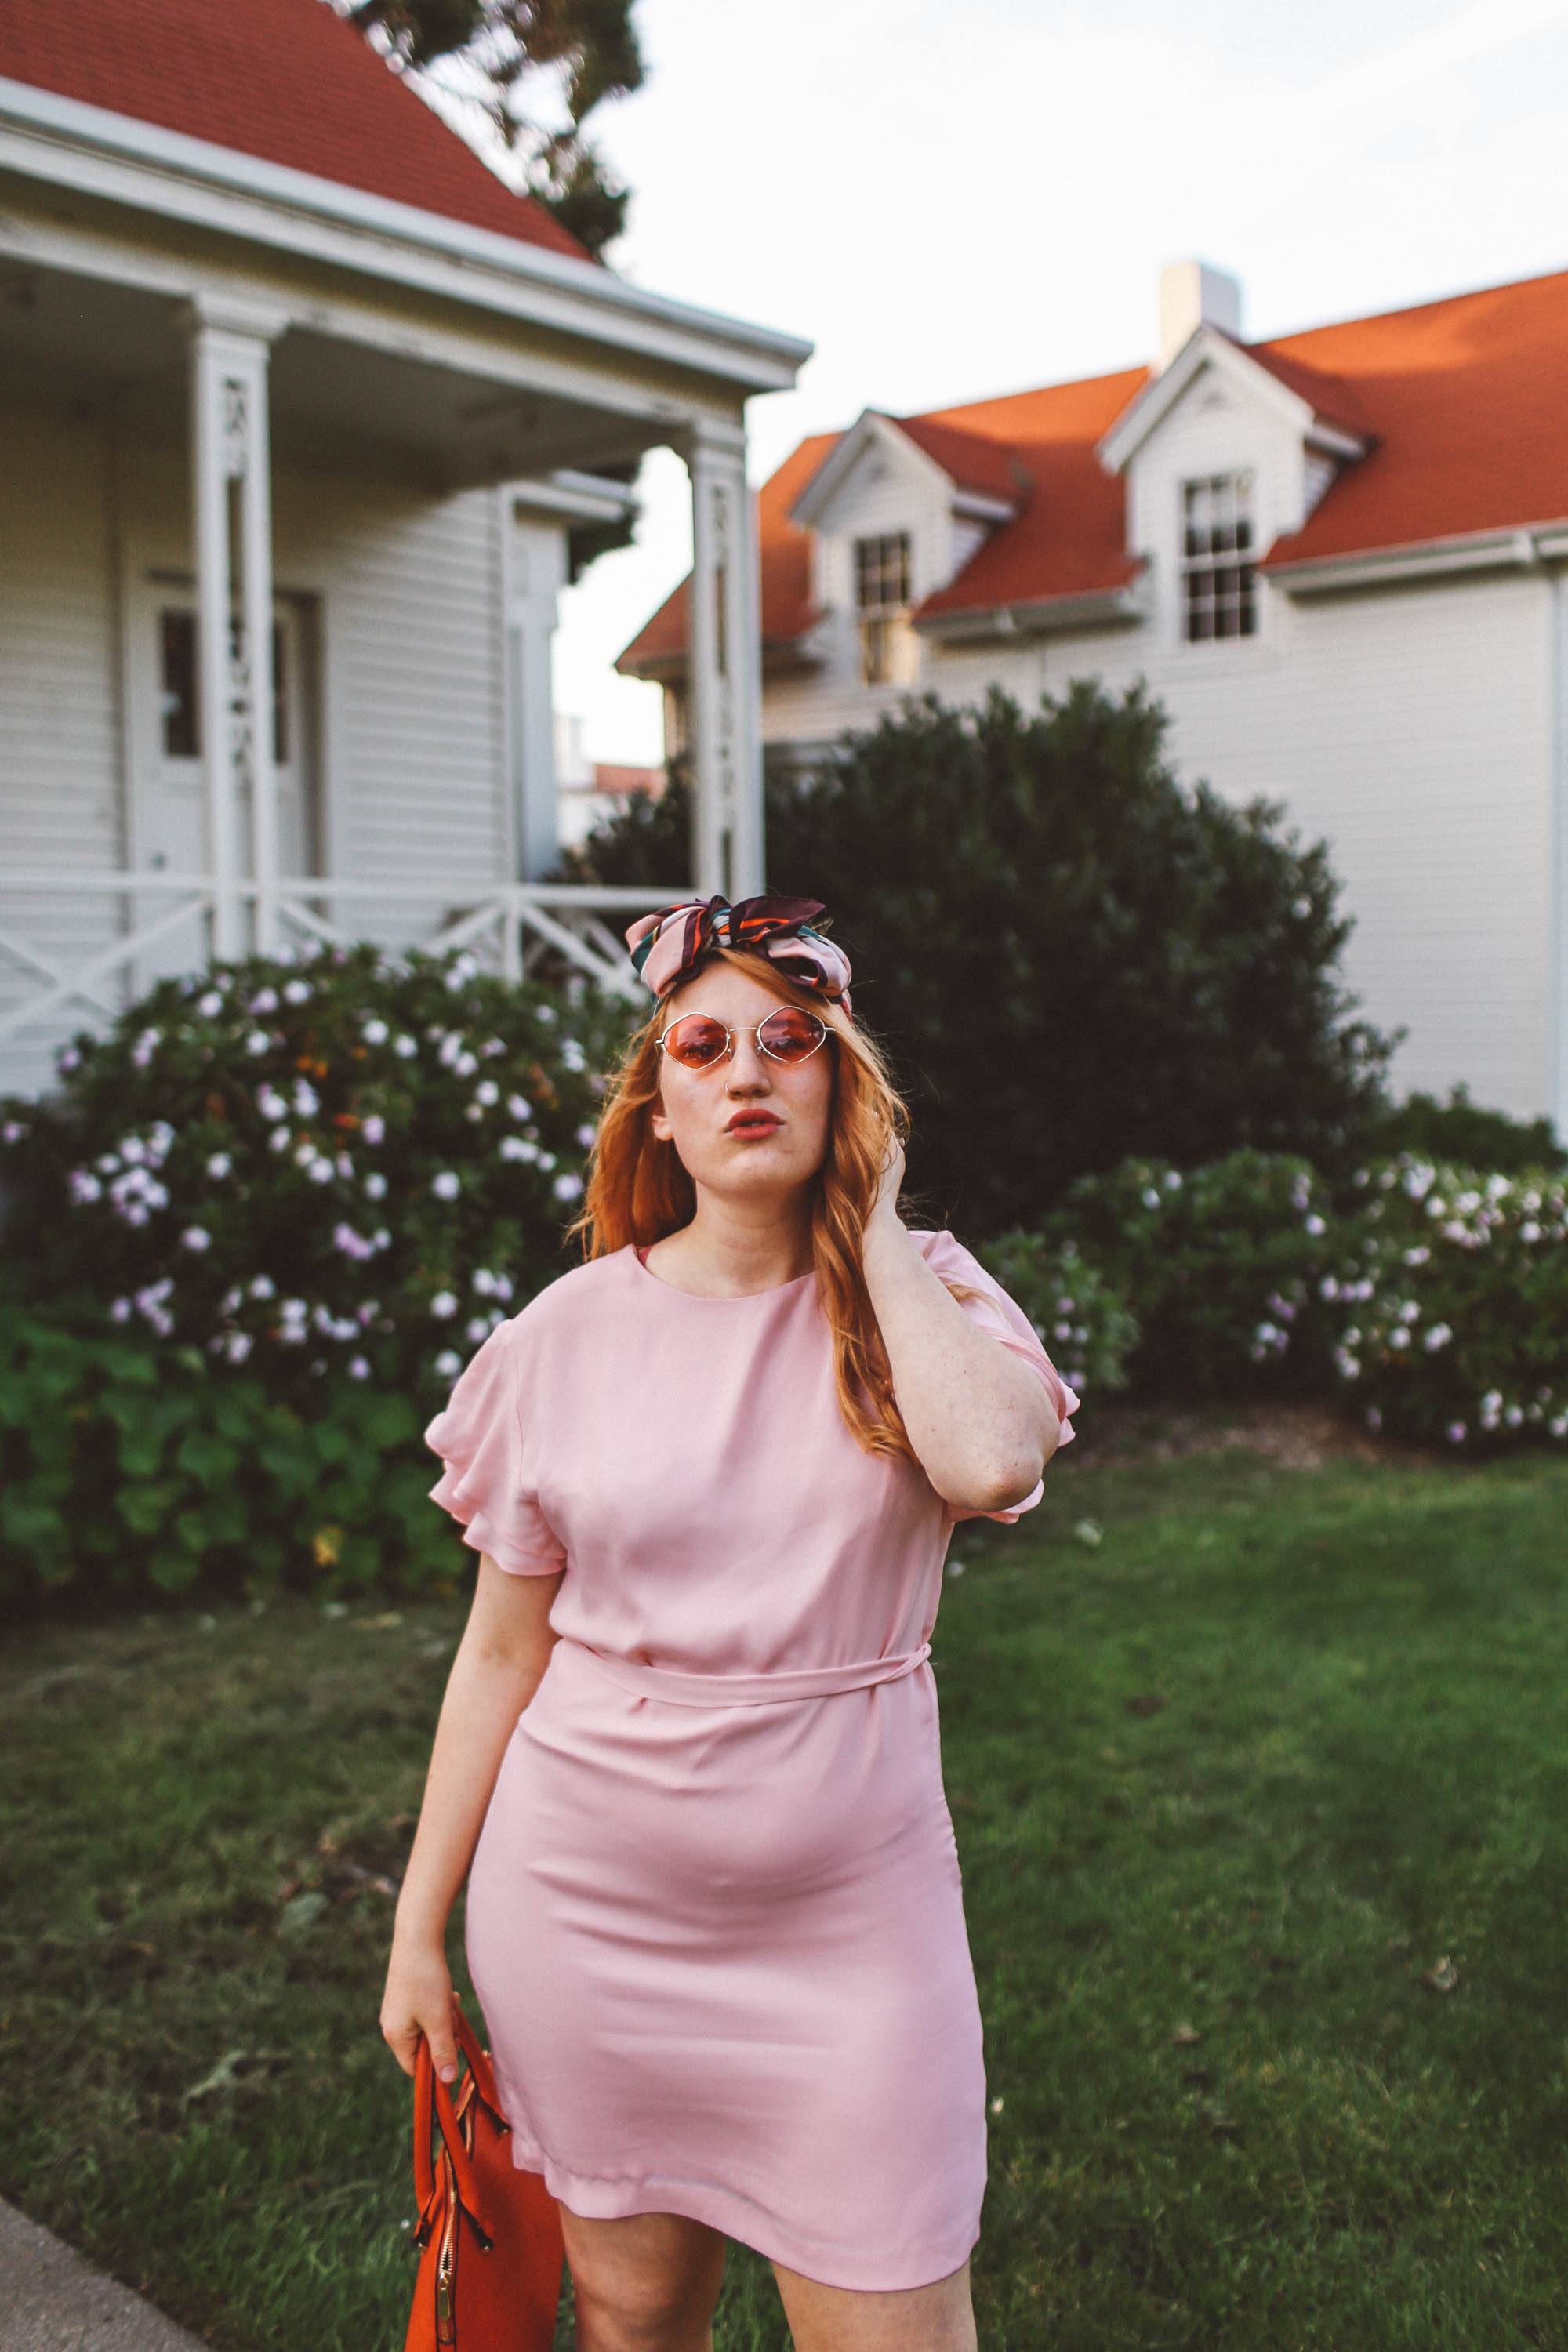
{"x": 412, "y": 624}
{"x": 1409, "y": 729}
{"x": 60, "y": 784}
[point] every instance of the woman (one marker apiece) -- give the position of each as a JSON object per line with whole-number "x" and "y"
{"x": 690, "y": 1739}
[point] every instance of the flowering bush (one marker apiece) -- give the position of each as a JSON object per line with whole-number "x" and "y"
{"x": 346, "y": 1165}
{"x": 1450, "y": 1294}
{"x": 1084, "y": 1323}
{"x": 1221, "y": 1268}
{"x": 1433, "y": 1298}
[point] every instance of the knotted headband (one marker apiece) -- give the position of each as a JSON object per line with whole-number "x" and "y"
{"x": 670, "y": 945}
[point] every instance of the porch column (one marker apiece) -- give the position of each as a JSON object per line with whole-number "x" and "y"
{"x": 724, "y": 665}
{"x": 536, "y": 576}
{"x": 231, "y": 507}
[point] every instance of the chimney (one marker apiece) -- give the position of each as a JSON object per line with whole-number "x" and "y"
{"x": 1192, "y": 295}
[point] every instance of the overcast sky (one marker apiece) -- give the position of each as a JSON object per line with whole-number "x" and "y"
{"x": 953, "y": 202}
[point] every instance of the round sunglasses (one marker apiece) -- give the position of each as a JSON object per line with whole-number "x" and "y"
{"x": 697, "y": 1041}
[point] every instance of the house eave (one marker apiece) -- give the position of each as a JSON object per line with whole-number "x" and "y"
{"x": 64, "y": 142}
{"x": 573, "y": 496}
{"x": 1337, "y": 440}
{"x": 1515, "y": 549}
{"x": 1036, "y": 617}
{"x": 979, "y": 506}
{"x": 778, "y": 654}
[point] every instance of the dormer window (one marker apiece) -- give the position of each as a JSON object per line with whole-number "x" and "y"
{"x": 882, "y": 603}
{"x": 1219, "y": 593}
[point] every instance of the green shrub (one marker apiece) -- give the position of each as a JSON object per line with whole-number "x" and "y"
{"x": 1462, "y": 1131}
{"x": 345, "y": 1169}
{"x": 1073, "y": 957}
{"x": 129, "y": 1468}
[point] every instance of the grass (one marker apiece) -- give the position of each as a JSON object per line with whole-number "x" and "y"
{"x": 1239, "y": 1789}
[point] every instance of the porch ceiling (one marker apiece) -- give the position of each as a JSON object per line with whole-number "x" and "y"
{"x": 67, "y": 338}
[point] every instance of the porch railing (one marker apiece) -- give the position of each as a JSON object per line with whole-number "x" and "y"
{"x": 510, "y": 927}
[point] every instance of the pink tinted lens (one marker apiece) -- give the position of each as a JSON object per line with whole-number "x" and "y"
{"x": 695, "y": 1040}
{"x": 791, "y": 1035}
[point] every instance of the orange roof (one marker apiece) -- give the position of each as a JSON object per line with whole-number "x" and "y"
{"x": 1070, "y": 538}
{"x": 1466, "y": 398}
{"x": 1462, "y": 402}
{"x": 288, "y": 81}
{"x": 976, "y": 461}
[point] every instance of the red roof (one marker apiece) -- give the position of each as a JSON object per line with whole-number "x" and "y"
{"x": 976, "y": 461}
{"x": 1463, "y": 403}
{"x": 1467, "y": 398}
{"x": 1070, "y": 538}
{"x": 288, "y": 81}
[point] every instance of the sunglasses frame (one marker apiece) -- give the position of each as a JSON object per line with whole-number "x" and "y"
{"x": 695, "y": 1012}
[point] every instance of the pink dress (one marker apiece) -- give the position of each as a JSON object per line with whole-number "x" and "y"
{"x": 715, "y": 1914}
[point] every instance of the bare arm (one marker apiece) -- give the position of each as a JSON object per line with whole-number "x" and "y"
{"x": 981, "y": 1421}
{"x": 500, "y": 1660}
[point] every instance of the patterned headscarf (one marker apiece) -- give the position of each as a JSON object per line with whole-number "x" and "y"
{"x": 670, "y": 945}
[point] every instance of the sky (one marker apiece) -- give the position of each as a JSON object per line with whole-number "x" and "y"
{"x": 952, "y": 203}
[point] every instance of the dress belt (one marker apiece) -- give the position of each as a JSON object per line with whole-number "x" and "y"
{"x": 747, "y": 1690}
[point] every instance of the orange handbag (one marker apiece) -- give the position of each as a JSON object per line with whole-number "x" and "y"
{"x": 491, "y": 2255}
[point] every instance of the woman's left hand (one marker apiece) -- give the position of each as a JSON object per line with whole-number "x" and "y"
{"x": 886, "y": 1203}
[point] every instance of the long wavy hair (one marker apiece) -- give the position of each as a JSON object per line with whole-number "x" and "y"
{"x": 638, "y": 1190}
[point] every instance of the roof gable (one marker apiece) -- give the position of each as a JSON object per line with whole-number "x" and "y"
{"x": 872, "y": 435}
{"x": 286, "y": 81}
{"x": 1292, "y": 390}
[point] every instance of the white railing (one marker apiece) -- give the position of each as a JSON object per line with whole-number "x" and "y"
{"x": 510, "y": 927}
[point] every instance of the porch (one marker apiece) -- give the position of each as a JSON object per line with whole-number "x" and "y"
{"x": 284, "y": 516}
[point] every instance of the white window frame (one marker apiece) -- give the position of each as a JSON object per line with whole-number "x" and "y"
{"x": 882, "y": 563}
{"x": 1218, "y": 539}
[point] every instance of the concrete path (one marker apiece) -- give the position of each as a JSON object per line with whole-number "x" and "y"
{"x": 51, "y": 2301}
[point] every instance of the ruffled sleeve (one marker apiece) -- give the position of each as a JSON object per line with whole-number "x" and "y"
{"x": 997, "y": 1311}
{"x": 487, "y": 1481}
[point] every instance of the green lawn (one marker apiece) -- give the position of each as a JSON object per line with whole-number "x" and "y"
{"x": 1239, "y": 1788}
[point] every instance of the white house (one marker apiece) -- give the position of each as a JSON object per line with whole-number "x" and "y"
{"x": 1338, "y": 557}
{"x": 299, "y": 406}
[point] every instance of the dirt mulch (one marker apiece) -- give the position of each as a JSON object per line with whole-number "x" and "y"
{"x": 1298, "y": 1436}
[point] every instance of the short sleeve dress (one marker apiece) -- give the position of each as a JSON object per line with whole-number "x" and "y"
{"x": 715, "y": 1913}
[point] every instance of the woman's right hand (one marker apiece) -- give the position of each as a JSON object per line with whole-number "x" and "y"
{"x": 418, "y": 1999}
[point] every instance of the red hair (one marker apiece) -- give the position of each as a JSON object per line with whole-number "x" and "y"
{"x": 638, "y": 1189}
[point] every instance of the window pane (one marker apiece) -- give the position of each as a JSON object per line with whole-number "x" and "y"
{"x": 882, "y": 573}
{"x": 279, "y": 698}
{"x": 1219, "y": 596}
{"x": 177, "y": 683}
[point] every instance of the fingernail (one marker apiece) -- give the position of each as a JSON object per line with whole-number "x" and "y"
{"x": 449, "y": 2073}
